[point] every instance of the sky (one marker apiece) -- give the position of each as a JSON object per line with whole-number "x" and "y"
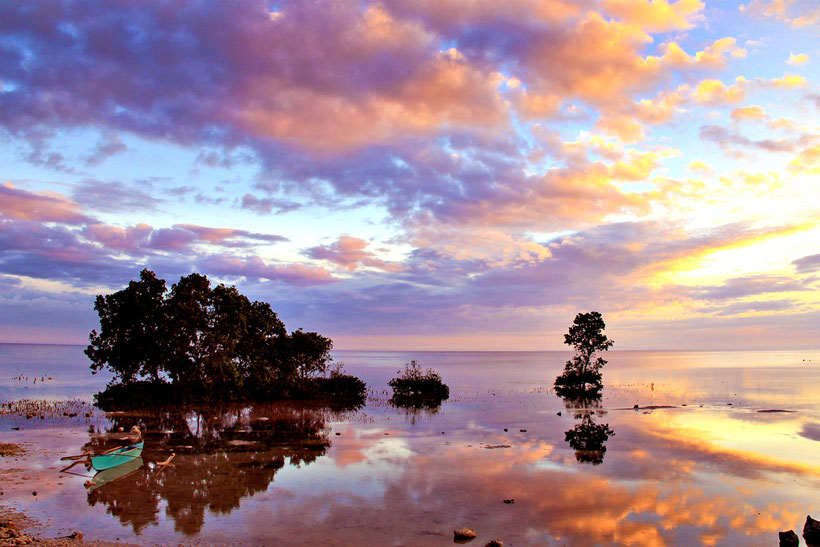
{"x": 419, "y": 174}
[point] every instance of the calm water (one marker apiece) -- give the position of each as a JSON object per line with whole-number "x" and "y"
{"x": 716, "y": 471}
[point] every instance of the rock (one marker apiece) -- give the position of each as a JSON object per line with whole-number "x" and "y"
{"x": 522, "y": 430}
{"x": 509, "y": 501}
{"x": 789, "y": 539}
{"x": 811, "y": 531}
{"x": 495, "y": 543}
{"x": 505, "y": 430}
{"x": 464, "y": 533}
{"x": 636, "y": 407}
{"x": 559, "y": 413}
{"x": 10, "y": 535}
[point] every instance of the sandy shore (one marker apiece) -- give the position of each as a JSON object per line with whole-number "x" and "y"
{"x": 17, "y": 528}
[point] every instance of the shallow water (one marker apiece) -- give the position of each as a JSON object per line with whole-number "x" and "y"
{"x": 716, "y": 471}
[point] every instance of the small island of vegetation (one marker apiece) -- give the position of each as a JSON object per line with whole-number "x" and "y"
{"x": 416, "y": 388}
{"x": 197, "y": 343}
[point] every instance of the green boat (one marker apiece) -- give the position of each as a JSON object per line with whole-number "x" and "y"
{"x": 117, "y": 457}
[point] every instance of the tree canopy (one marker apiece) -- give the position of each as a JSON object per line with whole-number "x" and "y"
{"x": 206, "y": 340}
{"x": 582, "y": 373}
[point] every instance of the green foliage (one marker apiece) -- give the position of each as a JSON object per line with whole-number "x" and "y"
{"x": 582, "y": 373}
{"x": 208, "y": 343}
{"x": 416, "y": 387}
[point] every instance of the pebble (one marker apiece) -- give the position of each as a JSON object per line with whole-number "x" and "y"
{"x": 464, "y": 533}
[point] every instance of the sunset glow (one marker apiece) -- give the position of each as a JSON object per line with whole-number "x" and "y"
{"x": 416, "y": 174}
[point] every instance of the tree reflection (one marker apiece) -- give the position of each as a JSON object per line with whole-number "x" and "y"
{"x": 222, "y": 456}
{"x": 587, "y": 438}
{"x": 414, "y": 410}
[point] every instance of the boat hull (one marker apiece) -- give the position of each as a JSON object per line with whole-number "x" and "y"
{"x": 118, "y": 457}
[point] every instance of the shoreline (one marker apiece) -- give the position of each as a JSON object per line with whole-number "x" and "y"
{"x": 16, "y": 526}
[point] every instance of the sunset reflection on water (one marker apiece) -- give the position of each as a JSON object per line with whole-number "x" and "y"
{"x": 716, "y": 471}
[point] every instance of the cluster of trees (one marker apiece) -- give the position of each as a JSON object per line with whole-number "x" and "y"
{"x": 203, "y": 341}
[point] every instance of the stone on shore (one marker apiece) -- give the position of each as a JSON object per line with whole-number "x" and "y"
{"x": 464, "y": 533}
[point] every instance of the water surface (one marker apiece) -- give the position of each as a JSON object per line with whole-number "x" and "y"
{"x": 711, "y": 470}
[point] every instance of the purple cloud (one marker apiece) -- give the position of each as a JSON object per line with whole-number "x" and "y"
{"x": 264, "y": 206}
{"x": 110, "y": 145}
{"x": 807, "y": 264}
{"x": 113, "y": 196}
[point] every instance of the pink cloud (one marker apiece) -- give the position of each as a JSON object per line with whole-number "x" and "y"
{"x": 350, "y": 253}
{"x": 41, "y": 207}
{"x": 255, "y": 268}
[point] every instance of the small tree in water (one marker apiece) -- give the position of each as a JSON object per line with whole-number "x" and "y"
{"x": 414, "y": 387}
{"x": 582, "y": 373}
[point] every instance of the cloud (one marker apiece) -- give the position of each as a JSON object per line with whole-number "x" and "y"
{"x": 795, "y": 13}
{"x": 789, "y": 81}
{"x": 799, "y": 59}
{"x": 740, "y": 287}
{"x": 41, "y": 207}
{"x": 716, "y": 92}
{"x": 749, "y": 113}
{"x": 143, "y": 238}
{"x": 113, "y": 196}
{"x": 264, "y": 206}
{"x": 811, "y": 431}
{"x": 807, "y": 161}
{"x": 656, "y": 15}
{"x": 754, "y": 306}
{"x": 110, "y": 145}
{"x": 727, "y": 138}
{"x": 350, "y": 253}
{"x": 255, "y": 269}
{"x": 32, "y": 249}
{"x": 807, "y": 264}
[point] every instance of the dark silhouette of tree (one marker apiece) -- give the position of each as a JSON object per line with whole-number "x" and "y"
{"x": 582, "y": 373}
{"x": 416, "y": 388}
{"x": 132, "y": 327}
{"x": 206, "y": 342}
{"x": 587, "y": 439}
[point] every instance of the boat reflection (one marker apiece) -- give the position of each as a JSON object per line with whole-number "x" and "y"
{"x": 222, "y": 456}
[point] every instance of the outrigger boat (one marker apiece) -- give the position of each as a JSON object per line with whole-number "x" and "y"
{"x": 110, "y": 458}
